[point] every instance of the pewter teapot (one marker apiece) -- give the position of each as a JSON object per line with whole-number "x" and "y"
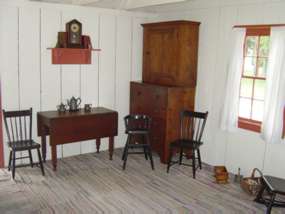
{"x": 74, "y": 103}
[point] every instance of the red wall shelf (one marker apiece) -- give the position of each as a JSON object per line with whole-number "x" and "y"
{"x": 71, "y": 55}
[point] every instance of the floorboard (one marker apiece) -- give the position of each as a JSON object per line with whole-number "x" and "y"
{"x": 91, "y": 183}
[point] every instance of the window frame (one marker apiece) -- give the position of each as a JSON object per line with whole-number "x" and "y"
{"x": 245, "y": 123}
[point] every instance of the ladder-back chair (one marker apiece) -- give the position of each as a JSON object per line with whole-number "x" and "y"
{"x": 192, "y": 126}
{"x": 18, "y": 126}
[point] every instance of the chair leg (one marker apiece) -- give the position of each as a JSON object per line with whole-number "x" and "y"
{"x": 149, "y": 151}
{"x": 150, "y": 157}
{"x": 125, "y": 157}
{"x": 14, "y": 165}
{"x": 199, "y": 159}
{"x": 193, "y": 163}
{"x": 169, "y": 159}
{"x": 31, "y": 158}
{"x": 180, "y": 156}
{"x": 10, "y": 160}
{"x": 272, "y": 198}
{"x": 124, "y": 152}
{"x": 145, "y": 153}
{"x": 41, "y": 162}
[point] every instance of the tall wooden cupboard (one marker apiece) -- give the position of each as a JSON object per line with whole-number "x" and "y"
{"x": 170, "y": 51}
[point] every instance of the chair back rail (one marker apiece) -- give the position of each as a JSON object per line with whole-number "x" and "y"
{"x": 137, "y": 122}
{"x": 192, "y": 125}
{"x": 18, "y": 125}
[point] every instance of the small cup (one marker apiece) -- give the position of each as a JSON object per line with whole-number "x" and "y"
{"x": 87, "y": 107}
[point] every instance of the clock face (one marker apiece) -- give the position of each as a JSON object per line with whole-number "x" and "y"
{"x": 74, "y": 28}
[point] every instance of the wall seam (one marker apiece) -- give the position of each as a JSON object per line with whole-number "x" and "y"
{"x": 40, "y": 59}
{"x": 18, "y": 57}
{"x": 132, "y": 48}
{"x": 99, "y": 59}
{"x": 80, "y": 95}
{"x": 115, "y": 64}
{"x": 18, "y": 65}
{"x": 60, "y": 78}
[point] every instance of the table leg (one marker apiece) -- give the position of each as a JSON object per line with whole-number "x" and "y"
{"x": 98, "y": 143}
{"x": 53, "y": 156}
{"x": 44, "y": 147}
{"x": 111, "y": 147}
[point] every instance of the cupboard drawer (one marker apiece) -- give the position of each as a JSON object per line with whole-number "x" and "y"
{"x": 149, "y": 95}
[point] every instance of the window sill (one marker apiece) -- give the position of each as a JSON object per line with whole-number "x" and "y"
{"x": 250, "y": 125}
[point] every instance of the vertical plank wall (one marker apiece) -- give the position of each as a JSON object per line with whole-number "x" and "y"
{"x": 30, "y": 80}
{"x": 9, "y": 61}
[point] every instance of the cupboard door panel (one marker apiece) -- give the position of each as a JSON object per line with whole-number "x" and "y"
{"x": 170, "y": 53}
{"x": 161, "y": 44}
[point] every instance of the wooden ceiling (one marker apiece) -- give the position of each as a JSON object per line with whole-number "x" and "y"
{"x": 115, "y": 4}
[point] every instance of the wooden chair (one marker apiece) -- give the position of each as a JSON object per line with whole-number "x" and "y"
{"x": 137, "y": 129}
{"x": 192, "y": 125}
{"x": 18, "y": 126}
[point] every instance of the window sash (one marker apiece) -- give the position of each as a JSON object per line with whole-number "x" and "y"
{"x": 249, "y": 123}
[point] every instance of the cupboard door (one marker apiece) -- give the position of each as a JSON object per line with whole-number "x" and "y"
{"x": 160, "y": 56}
{"x": 170, "y": 53}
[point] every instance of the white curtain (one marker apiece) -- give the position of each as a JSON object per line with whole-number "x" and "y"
{"x": 229, "y": 115}
{"x": 275, "y": 88}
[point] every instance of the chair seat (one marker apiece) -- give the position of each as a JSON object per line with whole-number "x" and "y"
{"x": 23, "y": 145}
{"x": 276, "y": 185}
{"x": 186, "y": 143}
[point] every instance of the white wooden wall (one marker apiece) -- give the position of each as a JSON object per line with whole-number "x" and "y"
{"x": 243, "y": 149}
{"x": 30, "y": 80}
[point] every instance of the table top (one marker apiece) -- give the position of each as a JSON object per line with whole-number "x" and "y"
{"x": 81, "y": 112}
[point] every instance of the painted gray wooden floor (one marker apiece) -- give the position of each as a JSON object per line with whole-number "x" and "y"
{"x": 92, "y": 184}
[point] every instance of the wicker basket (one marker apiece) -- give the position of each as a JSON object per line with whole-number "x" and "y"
{"x": 252, "y": 184}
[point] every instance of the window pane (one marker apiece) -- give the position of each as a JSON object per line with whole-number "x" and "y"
{"x": 262, "y": 66}
{"x": 251, "y": 43}
{"x": 244, "y": 107}
{"x": 264, "y": 46}
{"x": 257, "y": 110}
{"x": 249, "y": 66}
{"x": 246, "y": 87}
{"x": 259, "y": 89}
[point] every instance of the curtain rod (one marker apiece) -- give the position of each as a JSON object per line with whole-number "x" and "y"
{"x": 259, "y": 26}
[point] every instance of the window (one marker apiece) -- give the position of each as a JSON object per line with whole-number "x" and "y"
{"x": 252, "y": 88}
